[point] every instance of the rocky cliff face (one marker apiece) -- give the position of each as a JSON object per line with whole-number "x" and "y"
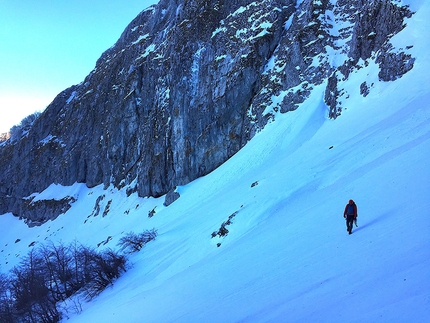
{"x": 188, "y": 84}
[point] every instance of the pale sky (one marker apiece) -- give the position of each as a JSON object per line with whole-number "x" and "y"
{"x": 47, "y": 46}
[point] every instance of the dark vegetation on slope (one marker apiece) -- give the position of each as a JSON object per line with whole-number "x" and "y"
{"x": 35, "y": 291}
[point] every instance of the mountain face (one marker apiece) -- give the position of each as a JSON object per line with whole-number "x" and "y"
{"x": 185, "y": 87}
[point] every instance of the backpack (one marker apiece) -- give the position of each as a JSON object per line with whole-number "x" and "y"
{"x": 351, "y": 209}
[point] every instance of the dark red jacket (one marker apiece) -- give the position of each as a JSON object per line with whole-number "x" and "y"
{"x": 354, "y": 209}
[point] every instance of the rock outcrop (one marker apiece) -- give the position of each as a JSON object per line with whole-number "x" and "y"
{"x": 187, "y": 85}
{"x": 4, "y": 136}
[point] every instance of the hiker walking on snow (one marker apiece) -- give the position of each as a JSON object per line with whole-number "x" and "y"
{"x": 350, "y": 214}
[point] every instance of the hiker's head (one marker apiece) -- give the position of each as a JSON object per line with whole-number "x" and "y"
{"x": 351, "y": 201}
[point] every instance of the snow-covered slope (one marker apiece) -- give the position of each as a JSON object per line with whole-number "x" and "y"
{"x": 287, "y": 256}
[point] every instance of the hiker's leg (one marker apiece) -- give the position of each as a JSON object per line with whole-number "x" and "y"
{"x": 350, "y": 221}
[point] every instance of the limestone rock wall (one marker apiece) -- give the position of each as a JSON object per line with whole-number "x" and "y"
{"x": 188, "y": 84}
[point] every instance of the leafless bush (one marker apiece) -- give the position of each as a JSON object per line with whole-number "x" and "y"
{"x": 19, "y": 130}
{"x": 6, "y": 300}
{"x": 104, "y": 269}
{"x": 133, "y": 242}
{"x": 51, "y": 274}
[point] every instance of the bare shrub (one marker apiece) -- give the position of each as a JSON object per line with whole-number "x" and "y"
{"x": 17, "y": 131}
{"x": 133, "y": 242}
{"x": 6, "y": 300}
{"x": 105, "y": 268}
{"x": 52, "y": 274}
